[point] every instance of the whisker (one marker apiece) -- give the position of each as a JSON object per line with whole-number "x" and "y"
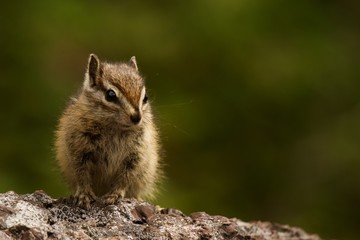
{"x": 175, "y": 127}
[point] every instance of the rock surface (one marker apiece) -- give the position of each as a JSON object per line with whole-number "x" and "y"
{"x": 38, "y": 216}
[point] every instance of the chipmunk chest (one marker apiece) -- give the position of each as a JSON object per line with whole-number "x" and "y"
{"x": 116, "y": 149}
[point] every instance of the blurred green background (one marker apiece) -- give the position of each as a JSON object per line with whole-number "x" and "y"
{"x": 258, "y": 102}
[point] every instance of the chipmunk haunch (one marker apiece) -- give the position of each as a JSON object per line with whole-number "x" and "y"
{"x": 106, "y": 141}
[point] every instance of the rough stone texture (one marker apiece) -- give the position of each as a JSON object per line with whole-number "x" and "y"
{"x": 38, "y": 216}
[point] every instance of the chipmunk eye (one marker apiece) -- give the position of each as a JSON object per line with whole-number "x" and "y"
{"x": 110, "y": 95}
{"x": 145, "y": 99}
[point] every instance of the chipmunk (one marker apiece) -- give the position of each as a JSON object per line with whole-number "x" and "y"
{"x": 106, "y": 141}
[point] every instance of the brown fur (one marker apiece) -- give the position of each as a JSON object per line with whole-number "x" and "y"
{"x": 100, "y": 151}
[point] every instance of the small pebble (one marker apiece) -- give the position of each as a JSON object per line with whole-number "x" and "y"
{"x": 198, "y": 215}
{"x": 229, "y": 228}
{"x": 142, "y": 213}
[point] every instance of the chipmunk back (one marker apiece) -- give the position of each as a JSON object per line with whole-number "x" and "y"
{"x": 106, "y": 141}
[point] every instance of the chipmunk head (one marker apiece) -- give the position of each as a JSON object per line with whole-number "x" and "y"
{"x": 116, "y": 89}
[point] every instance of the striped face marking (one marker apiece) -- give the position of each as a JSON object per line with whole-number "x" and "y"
{"x": 120, "y": 97}
{"x": 143, "y": 99}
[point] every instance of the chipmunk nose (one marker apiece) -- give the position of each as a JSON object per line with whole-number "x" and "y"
{"x": 135, "y": 117}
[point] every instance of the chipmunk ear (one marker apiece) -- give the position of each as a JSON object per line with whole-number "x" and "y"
{"x": 133, "y": 63}
{"x": 93, "y": 70}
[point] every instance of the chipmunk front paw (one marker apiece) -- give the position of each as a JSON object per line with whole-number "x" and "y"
{"x": 83, "y": 198}
{"x": 113, "y": 197}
